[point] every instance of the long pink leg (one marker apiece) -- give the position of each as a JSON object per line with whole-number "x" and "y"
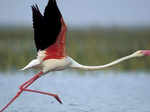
{"x": 21, "y": 90}
{"x": 33, "y": 78}
{"x": 27, "y": 84}
{"x": 13, "y": 99}
{"x": 24, "y": 86}
{"x": 45, "y": 93}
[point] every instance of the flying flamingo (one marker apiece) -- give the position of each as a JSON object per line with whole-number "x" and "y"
{"x": 49, "y": 35}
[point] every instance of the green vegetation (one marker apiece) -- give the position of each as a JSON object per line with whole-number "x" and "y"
{"x": 91, "y": 46}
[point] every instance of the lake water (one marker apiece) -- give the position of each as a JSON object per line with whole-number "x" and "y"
{"x": 88, "y": 92}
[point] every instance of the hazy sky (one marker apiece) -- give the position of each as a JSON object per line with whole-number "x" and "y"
{"x": 81, "y": 12}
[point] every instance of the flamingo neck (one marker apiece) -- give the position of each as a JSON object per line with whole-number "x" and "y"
{"x": 76, "y": 65}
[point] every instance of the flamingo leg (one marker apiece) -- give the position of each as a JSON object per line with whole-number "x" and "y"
{"x": 45, "y": 93}
{"x": 29, "y": 82}
{"x": 24, "y": 85}
{"x": 12, "y": 100}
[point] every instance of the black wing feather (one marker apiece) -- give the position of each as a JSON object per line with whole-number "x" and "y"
{"x": 47, "y": 27}
{"x": 37, "y": 25}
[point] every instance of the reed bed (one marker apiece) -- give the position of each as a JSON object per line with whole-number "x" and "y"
{"x": 90, "y": 46}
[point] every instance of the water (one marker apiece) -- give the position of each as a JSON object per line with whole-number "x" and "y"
{"x": 91, "y": 92}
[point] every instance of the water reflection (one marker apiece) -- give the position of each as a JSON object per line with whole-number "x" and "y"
{"x": 91, "y": 92}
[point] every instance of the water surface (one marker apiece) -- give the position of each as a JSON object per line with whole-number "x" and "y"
{"x": 91, "y": 92}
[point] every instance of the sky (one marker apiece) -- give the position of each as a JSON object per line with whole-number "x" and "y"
{"x": 80, "y": 12}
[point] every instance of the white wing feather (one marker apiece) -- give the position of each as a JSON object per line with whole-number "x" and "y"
{"x": 32, "y": 64}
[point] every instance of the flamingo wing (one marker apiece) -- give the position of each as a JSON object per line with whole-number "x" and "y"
{"x": 49, "y": 30}
{"x": 38, "y": 26}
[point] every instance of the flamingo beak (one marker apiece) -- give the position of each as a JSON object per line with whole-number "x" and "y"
{"x": 146, "y": 52}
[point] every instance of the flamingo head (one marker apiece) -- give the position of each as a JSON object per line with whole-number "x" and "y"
{"x": 146, "y": 52}
{"x": 141, "y": 53}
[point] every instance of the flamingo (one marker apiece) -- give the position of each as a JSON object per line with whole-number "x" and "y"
{"x": 49, "y": 35}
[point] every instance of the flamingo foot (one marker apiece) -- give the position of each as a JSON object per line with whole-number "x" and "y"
{"x": 58, "y": 99}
